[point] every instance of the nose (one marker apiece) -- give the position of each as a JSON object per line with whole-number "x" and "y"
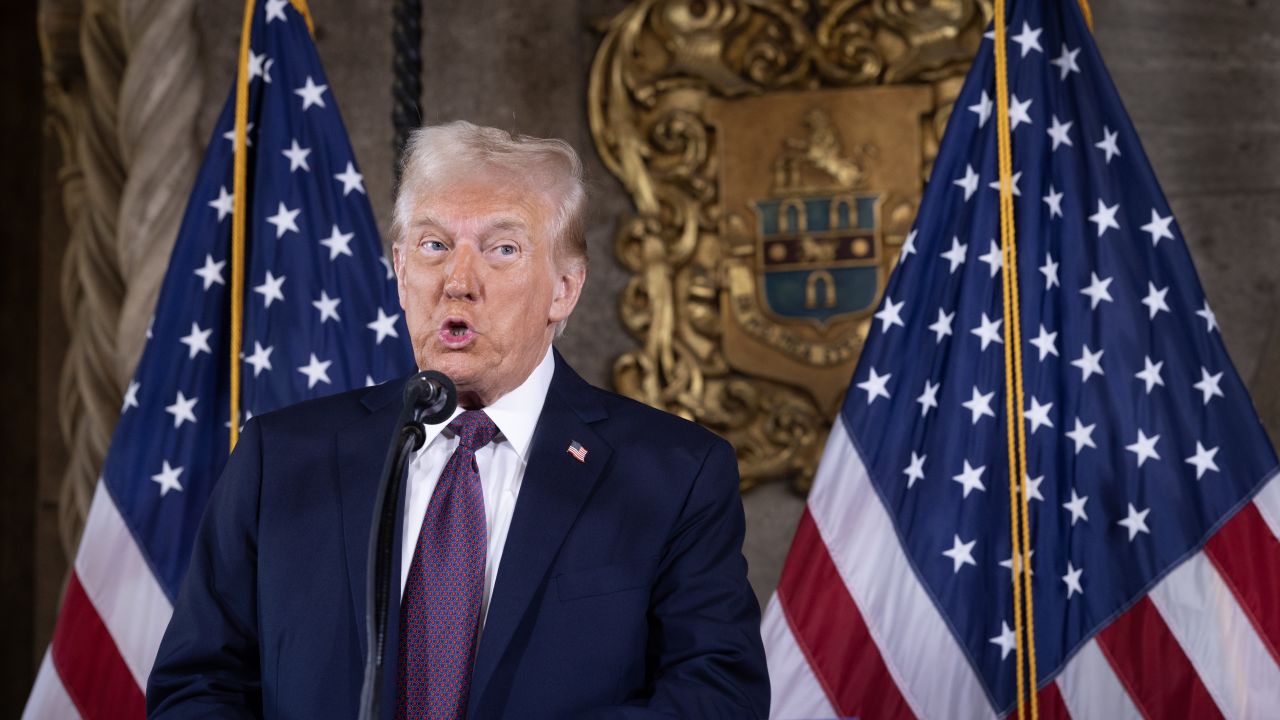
{"x": 462, "y": 281}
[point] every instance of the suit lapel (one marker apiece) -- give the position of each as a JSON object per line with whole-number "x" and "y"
{"x": 553, "y": 491}
{"x": 361, "y": 448}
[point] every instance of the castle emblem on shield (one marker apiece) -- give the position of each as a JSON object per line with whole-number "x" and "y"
{"x": 819, "y": 241}
{"x": 806, "y": 180}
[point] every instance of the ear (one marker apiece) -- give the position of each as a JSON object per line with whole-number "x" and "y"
{"x": 397, "y": 264}
{"x": 569, "y": 282}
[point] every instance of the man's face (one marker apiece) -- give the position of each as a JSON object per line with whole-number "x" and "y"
{"x": 479, "y": 282}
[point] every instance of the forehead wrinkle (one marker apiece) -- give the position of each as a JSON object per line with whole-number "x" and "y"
{"x": 484, "y": 224}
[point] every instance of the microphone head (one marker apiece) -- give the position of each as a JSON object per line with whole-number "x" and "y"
{"x": 432, "y": 396}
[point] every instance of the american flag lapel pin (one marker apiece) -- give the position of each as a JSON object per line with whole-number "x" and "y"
{"x": 577, "y": 451}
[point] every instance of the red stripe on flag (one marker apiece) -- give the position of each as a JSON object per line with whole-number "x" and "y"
{"x": 830, "y": 631}
{"x": 1153, "y": 667}
{"x": 92, "y": 670}
{"x": 1051, "y": 705}
{"x": 1247, "y": 556}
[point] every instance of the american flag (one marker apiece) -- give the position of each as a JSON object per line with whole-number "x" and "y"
{"x": 321, "y": 315}
{"x": 1153, "y": 514}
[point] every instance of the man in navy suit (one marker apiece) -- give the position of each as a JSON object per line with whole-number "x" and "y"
{"x": 564, "y": 552}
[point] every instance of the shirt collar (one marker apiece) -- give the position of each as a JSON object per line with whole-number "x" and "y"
{"x": 516, "y": 413}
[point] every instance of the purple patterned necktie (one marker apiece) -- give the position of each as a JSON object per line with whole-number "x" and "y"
{"x": 440, "y": 607}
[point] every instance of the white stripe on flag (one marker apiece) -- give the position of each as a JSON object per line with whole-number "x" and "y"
{"x": 1268, "y": 503}
{"x": 119, "y": 582}
{"x": 1091, "y": 690}
{"x": 917, "y": 646}
{"x": 49, "y": 700}
{"x": 796, "y": 690}
{"x": 1220, "y": 641}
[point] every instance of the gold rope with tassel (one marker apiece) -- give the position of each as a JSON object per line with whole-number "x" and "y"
{"x": 1019, "y": 528}
{"x": 240, "y": 183}
{"x": 1014, "y": 421}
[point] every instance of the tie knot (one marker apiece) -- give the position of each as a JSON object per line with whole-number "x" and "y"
{"x": 474, "y": 429}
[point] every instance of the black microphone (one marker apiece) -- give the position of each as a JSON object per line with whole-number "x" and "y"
{"x": 432, "y": 396}
{"x": 429, "y": 397}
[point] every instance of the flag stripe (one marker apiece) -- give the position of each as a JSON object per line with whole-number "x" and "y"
{"x": 49, "y": 700}
{"x": 1220, "y": 642}
{"x": 93, "y": 673}
{"x": 1247, "y": 556}
{"x": 1049, "y": 704}
{"x": 1268, "y": 503}
{"x": 917, "y": 646}
{"x": 1091, "y": 690}
{"x": 123, "y": 589}
{"x": 1167, "y": 688}
{"x": 829, "y": 629}
{"x": 796, "y": 690}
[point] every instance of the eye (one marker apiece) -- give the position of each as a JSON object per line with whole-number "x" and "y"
{"x": 433, "y": 245}
{"x": 507, "y": 250}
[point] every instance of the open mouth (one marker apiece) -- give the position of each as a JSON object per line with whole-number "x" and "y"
{"x": 456, "y": 333}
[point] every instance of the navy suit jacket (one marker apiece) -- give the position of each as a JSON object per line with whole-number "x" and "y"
{"x": 622, "y": 590}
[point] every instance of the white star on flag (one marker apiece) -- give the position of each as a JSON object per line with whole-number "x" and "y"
{"x": 1072, "y": 579}
{"x": 961, "y": 553}
{"x": 297, "y": 157}
{"x": 979, "y": 404}
{"x": 1028, "y": 39}
{"x": 1082, "y": 436}
{"x": 211, "y": 272}
{"x": 1108, "y": 144}
{"x": 1046, "y": 343}
{"x": 328, "y": 307}
{"x": 915, "y": 471}
{"x": 260, "y": 359}
{"x": 1150, "y": 373}
{"x": 1076, "y": 507}
{"x": 988, "y": 331}
{"x": 875, "y": 385}
{"x": 889, "y": 314}
{"x": 223, "y": 203}
{"x": 983, "y": 109}
{"x": 1203, "y": 460}
{"x": 197, "y": 341}
{"x": 1058, "y": 133}
{"x": 1158, "y": 228}
{"x": 351, "y": 180}
{"x": 1144, "y": 447}
{"x": 942, "y": 326}
{"x": 1105, "y": 217}
{"x": 1066, "y": 62}
{"x": 955, "y": 255}
{"x": 969, "y": 182}
{"x": 384, "y": 326}
{"x": 1208, "y": 385}
{"x": 167, "y": 478}
{"x": 971, "y": 478}
{"x": 284, "y": 220}
{"x": 311, "y": 94}
{"x": 317, "y": 371}
{"x": 338, "y": 242}
{"x": 1007, "y": 640}
{"x": 182, "y": 410}
{"x": 929, "y": 397}
{"x": 1135, "y": 522}
{"x": 270, "y": 289}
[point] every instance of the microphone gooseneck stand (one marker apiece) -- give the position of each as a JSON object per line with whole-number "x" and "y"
{"x": 429, "y": 397}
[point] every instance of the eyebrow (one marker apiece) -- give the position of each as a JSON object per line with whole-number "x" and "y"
{"x": 501, "y": 222}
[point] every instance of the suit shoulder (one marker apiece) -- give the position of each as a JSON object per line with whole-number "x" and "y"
{"x": 647, "y": 425}
{"x": 325, "y": 414}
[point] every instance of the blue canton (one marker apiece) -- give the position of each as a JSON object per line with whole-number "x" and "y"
{"x": 1141, "y": 438}
{"x": 321, "y": 313}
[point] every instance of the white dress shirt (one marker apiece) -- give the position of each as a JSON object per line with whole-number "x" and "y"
{"x": 501, "y": 464}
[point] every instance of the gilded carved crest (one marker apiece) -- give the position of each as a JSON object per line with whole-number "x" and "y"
{"x": 776, "y": 153}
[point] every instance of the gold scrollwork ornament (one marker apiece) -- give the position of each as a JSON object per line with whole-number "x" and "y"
{"x": 775, "y": 152}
